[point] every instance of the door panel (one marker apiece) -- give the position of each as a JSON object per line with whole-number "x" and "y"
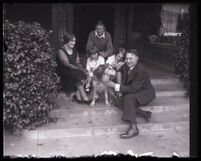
{"x": 86, "y": 16}
{"x": 62, "y": 22}
{"x": 120, "y": 27}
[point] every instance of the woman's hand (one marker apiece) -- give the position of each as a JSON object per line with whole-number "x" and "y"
{"x": 118, "y": 66}
{"x": 92, "y": 69}
{"x": 114, "y": 64}
{"x": 84, "y": 70}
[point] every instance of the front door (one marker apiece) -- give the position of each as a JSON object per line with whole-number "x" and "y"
{"x": 62, "y": 22}
{"x": 85, "y": 18}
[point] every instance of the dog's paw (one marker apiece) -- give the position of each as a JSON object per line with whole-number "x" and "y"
{"x": 92, "y": 103}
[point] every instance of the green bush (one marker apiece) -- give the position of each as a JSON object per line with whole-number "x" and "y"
{"x": 182, "y": 57}
{"x": 30, "y": 82}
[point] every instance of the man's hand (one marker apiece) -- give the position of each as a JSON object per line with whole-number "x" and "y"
{"x": 109, "y": 83}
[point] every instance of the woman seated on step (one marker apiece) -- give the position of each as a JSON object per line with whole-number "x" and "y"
{"x": 73, "y": 75}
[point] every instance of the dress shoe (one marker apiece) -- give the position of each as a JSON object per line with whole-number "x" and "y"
{"x": 129, "y": 128}
{"x": 130, "y": 133}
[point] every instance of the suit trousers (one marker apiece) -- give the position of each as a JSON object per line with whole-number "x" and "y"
{"x": 130, "y": 107}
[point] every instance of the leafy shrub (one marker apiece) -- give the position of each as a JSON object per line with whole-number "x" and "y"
{"x": 30, "y": 82}
{"x": 182, "y": 57}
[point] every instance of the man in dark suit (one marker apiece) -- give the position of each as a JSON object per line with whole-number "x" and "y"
{"x": 136, "y": 89}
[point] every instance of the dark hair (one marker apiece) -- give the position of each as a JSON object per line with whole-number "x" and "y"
{"x": 134, "y": 52}
{"x": 93, "y": 51}
{"x": 68, "y": 36}
{"x": 121, "y": 50}
{"x": 100, "y": 22}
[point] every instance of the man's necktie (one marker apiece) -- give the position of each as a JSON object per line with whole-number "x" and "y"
{"x": 129, "y": 70}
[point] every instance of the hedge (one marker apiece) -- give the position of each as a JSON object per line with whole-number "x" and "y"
{"x": 182, "y": 57}
{"x": 30, "y": 82}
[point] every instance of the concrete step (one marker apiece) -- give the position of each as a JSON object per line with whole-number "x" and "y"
{"x": 96, "y": 118}
{"x": 100, "y": 109}
{"x": 107, "y": 130}
{"x": 169, "y": 87}
{"x": 165, "y": 101}
{"x": 165, "y": 81}
{"x": 63, "y": 101}
{"x": 180, "y": 93}
{"x": 92, "y": 125}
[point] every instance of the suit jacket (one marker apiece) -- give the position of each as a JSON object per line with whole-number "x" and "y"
{"x": 138, "y": 83}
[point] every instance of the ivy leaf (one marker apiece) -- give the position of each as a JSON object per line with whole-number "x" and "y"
{"x": 27, "y": 84}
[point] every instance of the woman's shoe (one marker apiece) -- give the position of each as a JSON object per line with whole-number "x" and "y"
{"x": 146, "y": 115}
{"x": 75, "y": 99}
{"x": 149, "y": 114}
{"x": 97, "y": 99}
{"x": 86, "y": 102}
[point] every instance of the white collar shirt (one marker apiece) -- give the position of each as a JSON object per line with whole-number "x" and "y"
{"x": 102, "y": 36}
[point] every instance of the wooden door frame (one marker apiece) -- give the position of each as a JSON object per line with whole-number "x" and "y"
{"x": 67, "y": 9}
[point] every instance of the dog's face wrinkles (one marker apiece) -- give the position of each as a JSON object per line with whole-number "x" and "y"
{"x": 104, "y": 69}
{"x": 110, "y": 71}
